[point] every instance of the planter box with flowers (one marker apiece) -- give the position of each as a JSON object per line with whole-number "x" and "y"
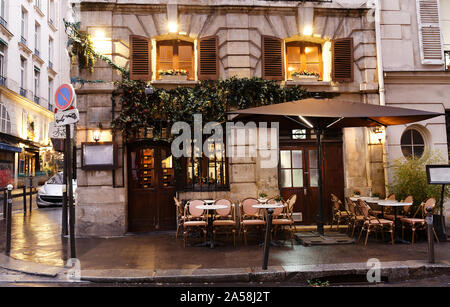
{"x": 173, "y": 74}
{"x": 305, "y": 76}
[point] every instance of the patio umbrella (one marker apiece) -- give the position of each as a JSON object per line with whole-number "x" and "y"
{"x": 323, "y": 114}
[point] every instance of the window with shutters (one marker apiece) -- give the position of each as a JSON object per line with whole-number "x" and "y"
{"x": 303, "y": 58}
{"x": 430, "y": 37}
{"x": 342, "y": 62}
{"x": 140, "y": 58}
{"x": 175, "y": 56}
{"x": 208, "y": 64}
{"x": 272, "y": 58}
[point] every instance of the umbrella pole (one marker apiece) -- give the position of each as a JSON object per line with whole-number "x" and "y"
{"x": 320, "y": 229}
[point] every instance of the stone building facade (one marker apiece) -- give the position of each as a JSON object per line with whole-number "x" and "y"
{"x": 103, "y": 197}
{"x": 33, "y": 62}
{"x": 414, "y": 37}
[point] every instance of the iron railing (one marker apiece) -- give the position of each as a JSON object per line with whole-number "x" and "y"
{"x": 2, "y": 80}
{"x": 50, "y": 64}
{"x": 36, "y": 99}
{"x": 3, "y": 22}
{"x": 23, "y": 40}
{"x": 37, "y": 53}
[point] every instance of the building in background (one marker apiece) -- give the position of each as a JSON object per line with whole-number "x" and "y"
{"x": 33, "y": 62}
{"x": 415, "y": 44}
{"x": 217, "y": 40}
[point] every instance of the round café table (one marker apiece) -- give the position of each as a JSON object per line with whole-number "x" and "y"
{"x": 267, "y": 242}
{"x": 210, "y": 243}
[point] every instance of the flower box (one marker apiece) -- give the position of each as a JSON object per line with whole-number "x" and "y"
{"x": 174, "y": 77}
{"x": 304, "y": 78}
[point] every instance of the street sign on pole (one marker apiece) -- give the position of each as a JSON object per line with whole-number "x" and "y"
{"x": 64, "y": 97}
{"x": 59, "y": 132}
{"x": 68, "y": 117}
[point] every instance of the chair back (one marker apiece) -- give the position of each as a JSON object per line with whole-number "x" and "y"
{"x": 408, "y": 199}
{"x": 192, "y": 210}
{"x": 431, "y": 202}
{"x": 247, "y": 206}
{"x": 363, "y": 208}
{"x": 179, "y": 206}
{"x": 276, "y": 211}
{"x": 291, "y": 202}
{"x": 336, "y": 203}
{"x": 391, "y": 197}
{"x": 351, "y": 206}
{"x": 223, "y": 212}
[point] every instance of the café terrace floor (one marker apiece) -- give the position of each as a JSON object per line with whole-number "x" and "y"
{"x": 36, "y": 238}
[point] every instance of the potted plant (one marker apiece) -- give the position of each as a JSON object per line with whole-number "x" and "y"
{"x": 305, "y": 76}
{"x": 173, "y": 74}
{"x": 278, "y": 199}
{"x": 357, "y": 192}
{"x": 262, "y": 197}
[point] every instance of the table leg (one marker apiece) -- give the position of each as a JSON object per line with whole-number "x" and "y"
{"x": 210, "y": 225}
{"x": 267, "y": 242}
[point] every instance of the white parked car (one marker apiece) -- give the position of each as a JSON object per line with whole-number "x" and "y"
{"x": 50, "y": 194}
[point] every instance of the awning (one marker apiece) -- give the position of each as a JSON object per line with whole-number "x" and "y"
{"x": 3, "y": 42}
{"x": 7, "y": 147}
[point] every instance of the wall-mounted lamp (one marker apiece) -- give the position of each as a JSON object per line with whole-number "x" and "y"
{"x": 378, "y": 134}
{"x": 97, "y": 135}
{"x": 173, "y": 27}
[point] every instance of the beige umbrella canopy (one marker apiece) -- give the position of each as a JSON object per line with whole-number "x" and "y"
{"x": 322, "y": 114}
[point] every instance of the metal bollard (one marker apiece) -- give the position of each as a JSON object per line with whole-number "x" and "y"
{"x": 9, "y": 221}
{"x": 429, "y": 220}
{"x": 25, "y": 199}
{"x": 5, "y": 203}
{"x": 31, "y": 194}
{"x": 267, "y": 241}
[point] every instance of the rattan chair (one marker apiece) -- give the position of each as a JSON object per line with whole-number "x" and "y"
{"x": 250, "y": 217}
{"x": 373, "y": 223}
{"x": 195, "y": 219}
{"x": 180, "y": 215}
{"x": 338, "y": 211}
{"x": 356, "y": 218}
{"x": 282, "y": 219}
{"x": 418, "y": 223}
{"x": 225, "y": 218}
{"x": 405, "y": 210}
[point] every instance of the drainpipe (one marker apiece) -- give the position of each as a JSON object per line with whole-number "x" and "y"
{"x": 381, "y": 87}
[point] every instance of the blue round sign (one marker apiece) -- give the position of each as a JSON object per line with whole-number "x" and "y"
{"x": 64, "y": 97}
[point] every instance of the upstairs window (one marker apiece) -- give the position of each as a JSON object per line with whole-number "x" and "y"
{"x": 303, "y": 57}
{"x": 412, "y": 143}
{"x": 175, "y": 55}
{"x": 5, "y": 126}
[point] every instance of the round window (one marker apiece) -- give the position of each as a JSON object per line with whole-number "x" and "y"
{"x": 413, "y": 144}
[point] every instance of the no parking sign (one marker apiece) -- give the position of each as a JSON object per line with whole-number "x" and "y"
{"x": 64, "y": 97}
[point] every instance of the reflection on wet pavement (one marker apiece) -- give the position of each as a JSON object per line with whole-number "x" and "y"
{"x": 37, "y": 238}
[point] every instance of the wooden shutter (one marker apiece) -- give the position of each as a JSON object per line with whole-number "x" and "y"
{"x": 140, "y": 58}
{"x": 430, "y": 38}
{"x": 208, "y": 58}
{"x": 343, "y": 59}
{"x": 272, "y": 58}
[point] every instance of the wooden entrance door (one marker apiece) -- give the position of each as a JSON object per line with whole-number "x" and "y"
{"x": 151, "y": 188}
{"x": 299, "y": 175}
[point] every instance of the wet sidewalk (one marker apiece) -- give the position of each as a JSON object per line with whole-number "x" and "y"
{"x": 36, "y": 239}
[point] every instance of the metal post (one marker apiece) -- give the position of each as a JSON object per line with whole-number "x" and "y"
{"x": 70, "y": 195}
{"x": 64, "y": 212}
{"x": 267, "y": 242}
{"x": 429, "y": 220}
{"x": 31, "y": 193}
{"x": 320, "y": 229}
{"x": 25, "y": 199}
{"x": 9, "y": 221}
{"x": 442, "y": 219}
{"x": 5, "y": 203}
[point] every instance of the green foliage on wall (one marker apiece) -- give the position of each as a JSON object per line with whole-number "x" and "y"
{"x": 210, "y": 98}
{"x": 410, "y": 178}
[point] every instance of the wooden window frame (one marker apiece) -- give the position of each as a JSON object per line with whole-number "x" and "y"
{"x": 263, "y": 59}
{"x": 175, "y": 43}
{"x": 303, "y": 62}
{"x": 206, "y": 52}
{"x": 351, "y": 56}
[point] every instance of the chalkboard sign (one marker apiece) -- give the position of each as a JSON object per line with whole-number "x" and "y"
{"x": 438, "y": 174}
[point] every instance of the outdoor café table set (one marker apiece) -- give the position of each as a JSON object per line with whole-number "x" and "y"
{"x": 210, "y": 206}
{"x": 386, "y": 203}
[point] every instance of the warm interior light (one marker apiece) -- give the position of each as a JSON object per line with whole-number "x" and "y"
{"x": 97, "y": 135}
{"x": 99, "y": 34}
{"x": 308, "y": 49}
{"x": 308, "y": 30}
{"x": 291, "y": 69}
{"x": 173, "y": 27}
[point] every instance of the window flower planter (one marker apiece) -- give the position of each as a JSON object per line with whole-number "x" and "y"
{"x": 304, "y": 78}
{"x": 174, "y": 77}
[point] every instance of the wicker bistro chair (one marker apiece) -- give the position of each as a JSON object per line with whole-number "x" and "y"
{"x": 418, "y": 223}
{"x": 372, "y": 223}
{"x": 250, "y": 217}
{"x": 180, "y": 215}
{"x": 405, "y": 210}
{"x": 225, "y": 218}
{"x": 195, "y": 219}
{"x": 339, "y": 213}
{"x": 356, "y": 218}
{"x": 282, "y": 218}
